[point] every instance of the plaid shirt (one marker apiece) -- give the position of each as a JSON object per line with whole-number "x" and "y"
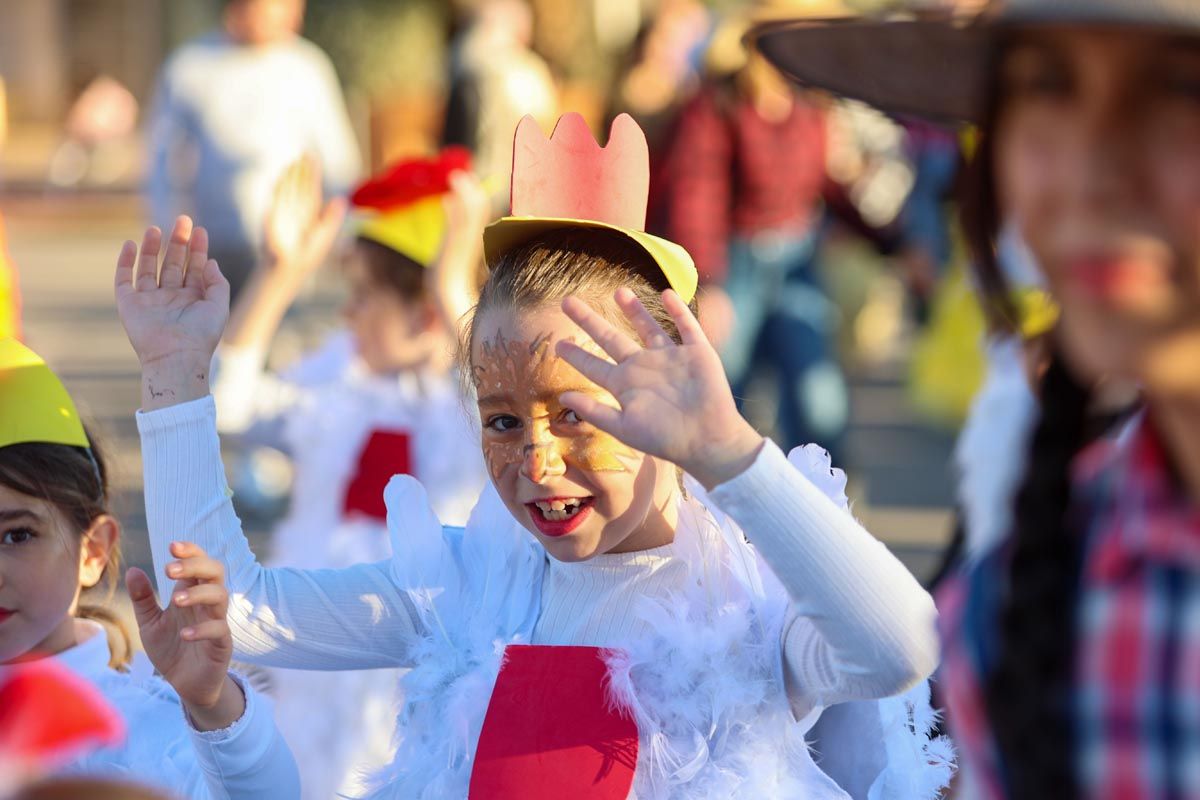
{"x": 1136, "y": 700}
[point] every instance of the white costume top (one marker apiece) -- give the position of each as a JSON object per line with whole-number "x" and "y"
{"x": 246, "y": 760}
{"x": 847, "y": 618}
{"x": 323, "y": 412}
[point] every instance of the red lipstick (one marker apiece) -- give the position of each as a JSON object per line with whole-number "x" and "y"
{"x": 559, "y": 527}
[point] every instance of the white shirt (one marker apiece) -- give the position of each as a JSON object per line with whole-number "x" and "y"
{"x": 246, "y": 761}
{"x": 860, "y": 625}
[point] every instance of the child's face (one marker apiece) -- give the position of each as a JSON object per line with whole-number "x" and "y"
{"x": 42, "y": 567}
{"x": 391, "y": 333}
{"x": 577, "y": 489}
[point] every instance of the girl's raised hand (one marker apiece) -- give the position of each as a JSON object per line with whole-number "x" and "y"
{"x": 675, "y": 402}
{"x": 173, "y": 316}
{"x": 299, "y": 230}
{"x": 189, "y": 642}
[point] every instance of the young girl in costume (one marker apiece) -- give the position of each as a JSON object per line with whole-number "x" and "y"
{"x": 648, "y": 600}
{"x": 197, "y": 731}
{"x": 377, "y": 400}
{"x": 1071, "y": 662}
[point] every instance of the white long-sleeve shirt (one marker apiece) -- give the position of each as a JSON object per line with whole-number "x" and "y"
{"x": 246, "y": 761}
{"x": 861, "y": 626}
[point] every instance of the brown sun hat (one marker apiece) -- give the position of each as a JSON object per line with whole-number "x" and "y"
{"x": 933, "y": 62}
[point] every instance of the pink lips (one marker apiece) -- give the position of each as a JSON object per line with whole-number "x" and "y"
{"x": 5, "y": 613}
{"x": 1107, "y": 277}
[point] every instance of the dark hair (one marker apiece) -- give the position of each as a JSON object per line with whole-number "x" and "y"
{"x": 393, "y": 270}
{"x": 1028, "y": 688}
{"x": 591, "y": 263}
{"x": 75, "y": 481}
{"x": 979, "y": 206}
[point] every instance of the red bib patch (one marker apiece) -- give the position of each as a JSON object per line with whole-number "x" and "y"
{"x": 385, "y": 454}
{"x": 551, "y": 732}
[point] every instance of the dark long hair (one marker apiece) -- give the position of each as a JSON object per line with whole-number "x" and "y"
{"x": 1028, "y": 688}
{"x": 75, "y": 481}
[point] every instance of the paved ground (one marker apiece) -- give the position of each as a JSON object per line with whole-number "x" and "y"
{"x": 65, "y": 247}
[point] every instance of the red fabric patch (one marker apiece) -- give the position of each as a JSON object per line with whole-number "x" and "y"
{"x": 49, "y": 715}
{"x": 550, "y": 731}
{"x": 385, "y": 454}
{"x": 412, "y": 180}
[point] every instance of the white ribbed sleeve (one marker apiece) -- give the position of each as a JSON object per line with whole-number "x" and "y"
{"x": 862, "y": 626}
{"x": 350, "y": 618}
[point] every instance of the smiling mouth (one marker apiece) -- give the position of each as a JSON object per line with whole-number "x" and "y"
{"x": 558, "y": 516}
{"x": 5, "y": 613}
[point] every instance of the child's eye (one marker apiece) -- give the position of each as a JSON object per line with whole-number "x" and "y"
{"x": 17, "y": 536}
{"x": 502, "y": 423}
{"x": 571, "y": 417}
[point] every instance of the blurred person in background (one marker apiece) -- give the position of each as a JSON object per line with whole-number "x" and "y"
{"x": 232, "y": 110}
{"x": 1070, "y": 665}
{"x": 744, "y": 187}
{"x": 378, "y": 399}
{"x": 495, "y": 80}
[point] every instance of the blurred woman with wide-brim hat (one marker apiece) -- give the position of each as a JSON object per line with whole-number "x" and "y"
{"x": 1071, "y": 663}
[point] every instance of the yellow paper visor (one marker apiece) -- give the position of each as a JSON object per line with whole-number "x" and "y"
{"x": 676, "y": 265}
{"x": 34, "y": 405}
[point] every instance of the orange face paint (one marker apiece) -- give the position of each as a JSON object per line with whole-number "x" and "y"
{"x": 522, "y": 380}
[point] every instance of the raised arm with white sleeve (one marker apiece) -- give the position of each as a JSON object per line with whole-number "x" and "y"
{"x": 351, "y": 618}
{"x": 860, "y": 626}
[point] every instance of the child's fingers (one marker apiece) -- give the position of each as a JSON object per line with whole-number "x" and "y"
{"x": 591, "y": 410}
{"x": 141, "y": 596}
{"x": 197, "y": 256}
{"x": 197, "y": 568}
{"x": 646, "y": 326}
{"x": 206, "y": 631}
{"x": 216, "y": 285}
{"x": 213, "y": 597}
{"x": 591, "y": 366}
{"x": 602, "y": 332}
{"x": 175, "y": 258}
{"x": 689, "y": 327}
{"x": 147, "y": 265}
{"x": 123, "y": 279}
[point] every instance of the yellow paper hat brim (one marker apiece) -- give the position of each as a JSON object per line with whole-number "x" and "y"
{"x": 414, "y": 231}
{"x": 34, "y": 405}
{"x": 676, "y": 265}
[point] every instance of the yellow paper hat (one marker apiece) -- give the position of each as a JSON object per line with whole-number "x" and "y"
{"x": 415, "y": 231}
{"x": 403, "y": 204}
{"x": 34, "y": 405}
{"x": 570, "y": 181}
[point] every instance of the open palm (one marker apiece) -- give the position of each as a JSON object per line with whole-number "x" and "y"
{"x": 178, "y": 311}
{"x": 675, "y": 402}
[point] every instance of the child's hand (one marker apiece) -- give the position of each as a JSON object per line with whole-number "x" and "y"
{"x": 468, "y": 205}
{"x": 189, "y": 643}
{"x": 173, "y": 317}
{"x": 675, "y": 401}
{"x": 299, "y": 233}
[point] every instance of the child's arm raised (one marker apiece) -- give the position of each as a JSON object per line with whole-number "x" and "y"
{"x": 453, "y": 279}
{"x": 299, "y": 234}
{"x": 327, "y": 619}
{"x": 874, "y": 624}
{"x": 240, "y": 750}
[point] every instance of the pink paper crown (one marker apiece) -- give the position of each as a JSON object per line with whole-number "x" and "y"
{"x": 570, "y": 176}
